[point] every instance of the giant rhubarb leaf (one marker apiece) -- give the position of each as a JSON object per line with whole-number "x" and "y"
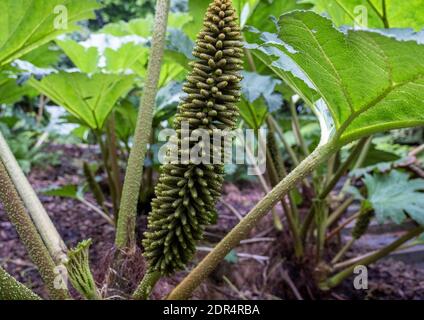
{"x": 366, "y": 81}
{"x": 28, "y": 24}
{"x": 90, "y": 98}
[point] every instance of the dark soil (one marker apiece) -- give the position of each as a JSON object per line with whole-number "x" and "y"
{"x": 258, "y": 269}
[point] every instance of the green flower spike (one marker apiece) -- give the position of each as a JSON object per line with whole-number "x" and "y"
{"x": 186, "y": 194}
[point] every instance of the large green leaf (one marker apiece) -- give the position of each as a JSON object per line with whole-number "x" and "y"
{"x": 11, "y": 92}
{"x": 90, "y": 98}
{"x": 179, "y": 19}
{"x": 366, "y": 81}
{"x": 12, "y": 84}
{"x": 90, "y": 59}
{"x": 45, "y": 56}
{"x": 142, "y": 27}
{"x": 400, "y": 14}
{"x": 126, "y": 119}
{"x": 126, "y": 57}
{"x": 245, "y": 9}
{"x": 28, "y": 24}
{"x": 85, "y": 59}
{"x": 266, "y": 11}
{"x": 394, "y": 194}
{"x": 178, "y": 48}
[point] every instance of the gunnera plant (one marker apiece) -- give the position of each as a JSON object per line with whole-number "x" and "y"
{"x": 186, "y": 193}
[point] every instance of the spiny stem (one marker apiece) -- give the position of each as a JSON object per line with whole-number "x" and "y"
{"x": 39, "y": 216}
{"x": 241, "y": 231}
{"x": 125, "y": 233}
{"x": 28, "y": 234}
{"x": 11, "y": 289}
{"x": 339, "y": 277}
{"x": 146, "y": 286}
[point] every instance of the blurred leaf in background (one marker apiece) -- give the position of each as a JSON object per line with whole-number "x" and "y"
{"x": 14, "y": 39}
{"x": 259, "y": 97}
{"x": 400, "y": 14}
{"x": 90, "y": 98}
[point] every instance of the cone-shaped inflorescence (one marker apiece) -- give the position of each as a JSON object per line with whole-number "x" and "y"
{"x": 186, "y": 193}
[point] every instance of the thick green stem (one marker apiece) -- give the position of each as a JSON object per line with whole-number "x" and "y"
{"x": 339, "y": 277}
{"x": 39, "y": 216}
{"x": 146, "y": 286}
{"x": 28, "y": 234}
{"x": 125, "y": 233}
{"x": 241, "y": 231}
{"x": 11, "y": 289}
